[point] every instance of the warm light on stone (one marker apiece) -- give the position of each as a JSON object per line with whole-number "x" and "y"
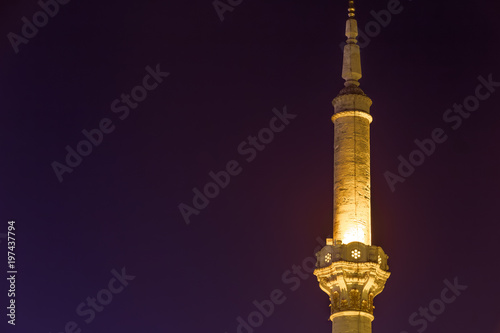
{"x": 349, "y": 268}
{"x": 351, "y": 176}
{"x": 355, "y": 232}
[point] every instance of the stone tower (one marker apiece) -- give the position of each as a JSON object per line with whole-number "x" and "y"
{"x": 349, "y": 268}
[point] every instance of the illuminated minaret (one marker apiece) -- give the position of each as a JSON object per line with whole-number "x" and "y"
{"x": 349, "y": 269}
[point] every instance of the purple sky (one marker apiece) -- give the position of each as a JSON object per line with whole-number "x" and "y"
{"x": 117, "y": 212}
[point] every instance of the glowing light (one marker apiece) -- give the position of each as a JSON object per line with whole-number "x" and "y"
{"x": 328, "y": 257}
{"x": 356, "y": 254}
{"x": 354, "y": 233}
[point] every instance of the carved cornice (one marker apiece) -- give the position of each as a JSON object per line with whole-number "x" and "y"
{"x": 352, "y": 102}
{"x": 352, "y": 275}
{"x": 362, "y": 114}
{"x": 353, "y": 252}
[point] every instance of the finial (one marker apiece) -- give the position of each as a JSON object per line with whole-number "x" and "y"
{"x": 351, "y": 9}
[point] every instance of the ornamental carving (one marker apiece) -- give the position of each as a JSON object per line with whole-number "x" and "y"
{"x": 354, "y": 299}
{"x": 352, "y": 283}
{"x": 367, "y": 306}
{"x": 335, "y": 302}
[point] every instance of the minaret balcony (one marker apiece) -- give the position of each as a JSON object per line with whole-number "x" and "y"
{"x": 352, "y": 275}
{"x": 352, "y": 252}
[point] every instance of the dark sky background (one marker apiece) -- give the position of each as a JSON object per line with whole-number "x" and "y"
{"x": 119, "y": 207}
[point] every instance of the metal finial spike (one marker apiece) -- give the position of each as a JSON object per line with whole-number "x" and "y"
{"x": 351, "y": 9}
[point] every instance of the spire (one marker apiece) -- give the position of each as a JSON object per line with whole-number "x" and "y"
{"x": 351, "y": 69}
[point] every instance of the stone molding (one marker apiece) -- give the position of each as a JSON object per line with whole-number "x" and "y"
{"x": 352, "y": 102}
{"x": 352, "y": 275}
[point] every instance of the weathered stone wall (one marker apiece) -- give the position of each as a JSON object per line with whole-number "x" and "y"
{"x": 351, "y": 190}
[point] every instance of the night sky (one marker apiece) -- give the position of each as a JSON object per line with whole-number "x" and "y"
{"x": 203, "y": 88}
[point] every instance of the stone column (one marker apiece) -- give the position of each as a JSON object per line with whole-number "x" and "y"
{"x": 351, "y": 189}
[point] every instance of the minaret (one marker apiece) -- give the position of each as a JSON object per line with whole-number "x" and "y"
{"x": 349, "y": 269}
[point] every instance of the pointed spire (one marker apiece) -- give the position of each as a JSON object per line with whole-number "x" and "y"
{"x": 351, "y": 69}
{"x": 351, "y": 97}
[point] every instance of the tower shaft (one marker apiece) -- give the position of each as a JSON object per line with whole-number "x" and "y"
{"x": 351, "y": 189}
